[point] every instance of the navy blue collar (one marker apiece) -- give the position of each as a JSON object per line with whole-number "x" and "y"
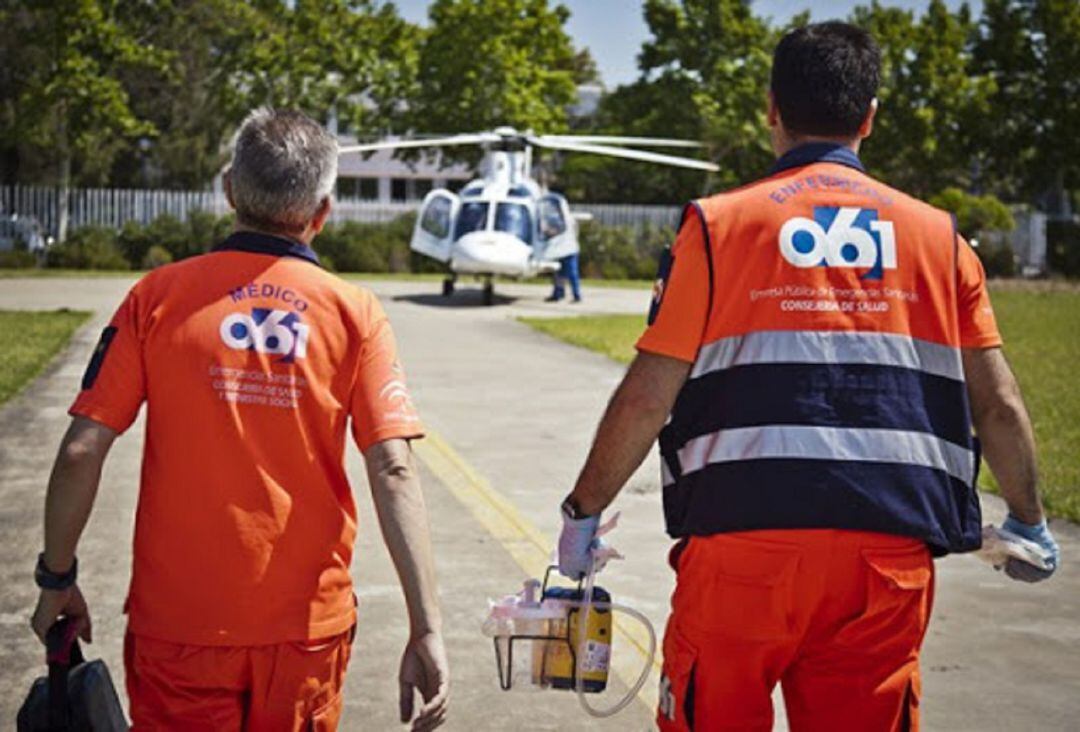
{"x": 255, "y": 242}
{"x": 817, "y": 152}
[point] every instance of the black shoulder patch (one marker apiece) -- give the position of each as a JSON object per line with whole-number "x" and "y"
{"x": 94, "y": 367}
{"x": 663, "y": 272}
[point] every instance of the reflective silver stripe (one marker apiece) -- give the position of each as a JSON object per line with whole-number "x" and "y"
{"x": 829, "y": 347}
{"x": 828, "y": 443}
{"x": 666, "y": 478}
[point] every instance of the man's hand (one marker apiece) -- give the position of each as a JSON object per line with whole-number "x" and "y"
{"x": 424, "y": 669}
{"x": 54, "y": 604}
{"x": 576, "y": 544}
{"x": 1040, "y": 534}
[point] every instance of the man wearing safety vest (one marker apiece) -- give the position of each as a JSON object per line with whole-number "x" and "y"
{"x": 254, "y": 362}
{"x": 821, "y": 350}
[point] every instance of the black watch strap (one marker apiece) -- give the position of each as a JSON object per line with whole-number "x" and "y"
{"x": 571, "y": 508}
{"x": 46, "y": 579}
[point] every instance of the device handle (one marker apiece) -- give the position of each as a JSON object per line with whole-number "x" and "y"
{"x": 62, "y": 653}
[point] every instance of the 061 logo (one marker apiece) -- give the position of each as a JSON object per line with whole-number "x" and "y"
{"x": 278, "y": 332}
{"x": 840, "y": 237}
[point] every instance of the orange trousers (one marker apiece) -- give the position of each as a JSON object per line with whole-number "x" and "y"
{"x": 285, "y": 686}
{"x": 835, "y": 617}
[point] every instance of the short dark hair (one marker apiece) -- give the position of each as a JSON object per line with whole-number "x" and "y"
{"x": 824, "y": 77}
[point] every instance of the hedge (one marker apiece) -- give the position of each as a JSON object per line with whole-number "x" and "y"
{"x": 350, "y": 246}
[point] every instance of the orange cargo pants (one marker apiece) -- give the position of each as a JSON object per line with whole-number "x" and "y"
{"x": 835, "y": 617}
{"x": 285, "y": 686}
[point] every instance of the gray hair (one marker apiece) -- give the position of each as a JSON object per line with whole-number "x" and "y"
{"x": 283, "y": 167}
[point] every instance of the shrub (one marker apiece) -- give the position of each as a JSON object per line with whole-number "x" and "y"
{"x": 179, "y": 239}
{"x": 361, "y": 247}
{"x": 622, "y": 252}
{"x": 88, "y": 247}
{"x": 17, "y": 259}
{"x": 1063, "y": 247}
{"x": 997, "y": 256}
{"x": 156, "y": 256}
{"x": 975, "y": 215}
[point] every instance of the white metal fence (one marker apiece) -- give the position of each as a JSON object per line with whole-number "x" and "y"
{"x": 114, "y": 207}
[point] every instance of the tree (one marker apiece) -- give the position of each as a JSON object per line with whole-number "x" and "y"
{"x": 195, "y": 101}
{"x": 351, "y": 59}
{"x": 67, "y": 102}
{"x": 643, "y": 108}
{"x": 486, "y": 63}
{"x": 1031, "y": 48}
{"x": 726, "y": 50}
{"x": 356, "y": 57}
{"x": 931, "y": 103}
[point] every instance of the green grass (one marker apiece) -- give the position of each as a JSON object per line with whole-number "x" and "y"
{"x": 1041, "y": 327}
{"x": 45, "y": 273}
{"x": 31, "y": 340}
{"x": 611, "y": 335}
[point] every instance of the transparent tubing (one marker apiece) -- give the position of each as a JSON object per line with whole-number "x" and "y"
{"x": 586, "y": 607}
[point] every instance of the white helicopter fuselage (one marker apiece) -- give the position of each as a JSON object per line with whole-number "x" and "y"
{"x": 502, "y": 224}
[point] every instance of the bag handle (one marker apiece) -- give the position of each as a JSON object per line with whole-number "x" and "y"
{"x": 62, "y": 653}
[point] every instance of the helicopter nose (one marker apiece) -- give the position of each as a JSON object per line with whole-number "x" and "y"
{"x": 490, "y": 252}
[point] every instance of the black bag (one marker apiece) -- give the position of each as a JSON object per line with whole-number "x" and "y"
{"x": 76, "y": 695}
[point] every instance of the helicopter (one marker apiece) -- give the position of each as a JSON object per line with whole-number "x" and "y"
{"x": 505, "y": 222}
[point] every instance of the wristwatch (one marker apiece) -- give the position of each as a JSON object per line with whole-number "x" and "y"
{"x": 46, "y": 579}
{"x": 570, "y": 508}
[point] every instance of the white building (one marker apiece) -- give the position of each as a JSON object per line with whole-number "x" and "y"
{"x": 381, "y": 177}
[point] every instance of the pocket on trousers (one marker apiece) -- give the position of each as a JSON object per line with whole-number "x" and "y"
{"x": 326, "y": 717}
{"x": 675, "y": 712}
{"x": 737, "y": 587}
{"x": 898, "y": 590}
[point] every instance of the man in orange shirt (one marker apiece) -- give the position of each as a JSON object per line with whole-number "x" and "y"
{"x": 820, "y": 348}
{"x": 252, "y": 361}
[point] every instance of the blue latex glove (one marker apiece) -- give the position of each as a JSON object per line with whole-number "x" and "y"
{"x": 576, "y": 544}
{"x": 1040, "y": 534}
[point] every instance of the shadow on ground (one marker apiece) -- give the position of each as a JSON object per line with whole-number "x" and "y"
{"x": 460, "y": 299}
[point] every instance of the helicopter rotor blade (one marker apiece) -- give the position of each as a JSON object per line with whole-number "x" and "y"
{"x": 474, "y": 139}
{"x": 619, "y": 152}
{"x": 621, "y": 140}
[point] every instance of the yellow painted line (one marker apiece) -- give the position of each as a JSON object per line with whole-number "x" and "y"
{"x": 528, "y": 546}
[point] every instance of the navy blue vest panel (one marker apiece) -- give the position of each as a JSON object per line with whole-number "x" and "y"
{"x": 838, "y": 395}
{"x": 889, "y": 498}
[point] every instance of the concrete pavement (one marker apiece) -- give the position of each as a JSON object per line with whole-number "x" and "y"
{"x": 519, "y": 410}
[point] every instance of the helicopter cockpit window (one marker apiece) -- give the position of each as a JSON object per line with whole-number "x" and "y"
{"x": 522, "y": 191}
{"x": 552, "y": 222}
{"x": 472, "y": 217}
{"x": 473, "y": 191}
{"x": 514, "y": 218}
{"x": 436, "y": 219}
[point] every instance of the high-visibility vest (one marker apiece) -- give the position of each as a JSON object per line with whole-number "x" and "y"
{"x": 829, "y": 390}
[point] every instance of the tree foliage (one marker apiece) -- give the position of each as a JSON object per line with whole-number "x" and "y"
{"x": 62, "y": 94}
{"x": 147, "y": 93}
{"x": 485, "y": 63}
{"x": 931, "y": 105}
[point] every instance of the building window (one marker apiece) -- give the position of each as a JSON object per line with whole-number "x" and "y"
{"x": 422, "y": 186}
{"x": 348, "y": 188}
{"x": 399, "y": 189}
{"x": 369, "y": 188}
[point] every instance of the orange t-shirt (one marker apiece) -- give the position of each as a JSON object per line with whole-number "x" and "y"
{"x": 251, "y": 360}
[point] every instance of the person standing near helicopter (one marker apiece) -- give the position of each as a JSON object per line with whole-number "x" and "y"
{"x": 820, "y": 349}
{"x": 569, "y": 273}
